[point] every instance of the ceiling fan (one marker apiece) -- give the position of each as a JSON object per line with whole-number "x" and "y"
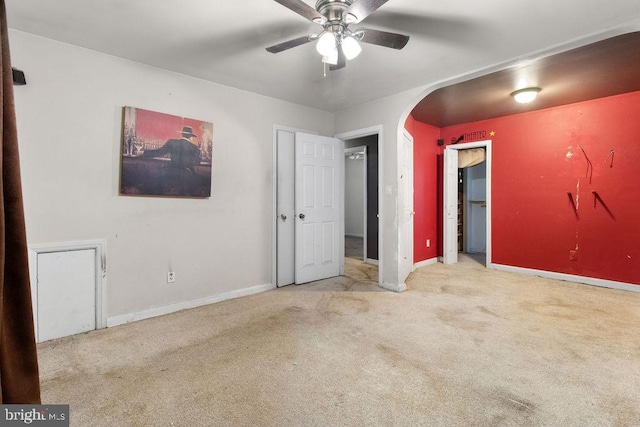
{"x": 337, "y": 43}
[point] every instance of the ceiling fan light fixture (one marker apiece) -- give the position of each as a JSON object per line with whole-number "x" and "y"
{"x": 526, "y": 95}
{"x": 326, "y": 44}
{"x": 331, "y": 59}
{"x": 350, "y": 47}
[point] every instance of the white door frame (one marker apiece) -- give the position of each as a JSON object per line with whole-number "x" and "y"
{"x": 359, "y": 133}
{"x": 406, "y": 138}
{"x": 487, "y": 146}
{"x": 100, "y": 247}
{"x": 347, "y": 152}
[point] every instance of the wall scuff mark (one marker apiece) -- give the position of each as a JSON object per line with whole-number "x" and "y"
{"x": 612, "y": 152}
{"x": 596, "y": 199}
{"x": 573, "y": 204}
{"x": 589, "y": 165}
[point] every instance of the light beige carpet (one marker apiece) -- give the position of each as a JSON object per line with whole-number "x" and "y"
{"x": 464, "y": 346}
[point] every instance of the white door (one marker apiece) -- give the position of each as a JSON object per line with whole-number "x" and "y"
{"x": 450, "y": 215}
{"x": 405, "y": 205}
{"x": 319, "y": 166}
{"x": 285, "y": 211}
{"x": 66, "y": 293}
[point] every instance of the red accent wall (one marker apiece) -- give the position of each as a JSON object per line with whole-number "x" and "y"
{"x": 425, "y": 183}
{"x": 537, "y": 161}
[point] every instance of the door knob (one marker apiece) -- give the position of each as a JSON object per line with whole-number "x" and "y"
{"x": 283, "y": 217}
{"x": 301, "y": 216}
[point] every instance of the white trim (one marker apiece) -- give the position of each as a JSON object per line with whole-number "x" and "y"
{"x": 569, "y": 278}
{"x": 100, "y": 248}
{"x": 359, "y": 133}
{"x": 373, "y": 130}
{"x": 372, "y": 261}
{"x": 489, "y": 159}
{"x": 168, "y": 309}
{"x": 468, "y": 145}
{"x": 395, "y": 288}
{"x": 425, "y": 263}
{"x": 406, "y": 134}
{"x": 341, "y": 209}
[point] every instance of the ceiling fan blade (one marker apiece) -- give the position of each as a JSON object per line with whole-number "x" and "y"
{"x": 383, "y": 38}
{"x": 303, "y": 10}
{"x": 289, "y": 44}
{"x": 360, "y": 9}
{"x": 342, "y": 61}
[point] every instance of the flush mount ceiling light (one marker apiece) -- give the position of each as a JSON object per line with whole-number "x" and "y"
{"x": 526, "y": 95}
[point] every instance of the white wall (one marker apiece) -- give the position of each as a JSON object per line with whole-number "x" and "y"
{"x": 354, "y": 189}
{"x": 69, "y": 122}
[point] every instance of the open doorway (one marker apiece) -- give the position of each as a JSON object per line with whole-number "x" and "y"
{"x": 284, "y": 245}
{"x": 355, "y": 203}
{"x": 473, "y": 218}
{"x": 367, "y": 146}
{"x": 467, "y": 202}
{"x": 362, "y": 207}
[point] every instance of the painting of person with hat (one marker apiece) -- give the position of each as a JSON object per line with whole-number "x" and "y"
{"x": 173, "y": 158}
{"x": 184, "y": 153}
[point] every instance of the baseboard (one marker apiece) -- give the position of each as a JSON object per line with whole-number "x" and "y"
{"x": 570, "y": 278}
{"x": 425, "y": 263}
{"x": 395, "y": 288}
{"x": 373, "y": 261}
{"x": 354, "y": 235}
{"x": 159, "y": 311}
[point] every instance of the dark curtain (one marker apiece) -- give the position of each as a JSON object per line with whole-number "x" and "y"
{"x": 18, "y": 360}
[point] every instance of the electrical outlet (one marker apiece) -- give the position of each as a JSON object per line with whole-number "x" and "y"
{"x": 171, "y": 277}
{"x": 428, "y": 243}
{"x": 573, "y": 255}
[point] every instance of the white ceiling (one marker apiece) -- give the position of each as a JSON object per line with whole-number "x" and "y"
{"x": 224, "y": 41}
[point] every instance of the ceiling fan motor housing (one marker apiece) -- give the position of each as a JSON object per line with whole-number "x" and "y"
{"x": 333, "y": 10}
{"x": 335, "y": 16}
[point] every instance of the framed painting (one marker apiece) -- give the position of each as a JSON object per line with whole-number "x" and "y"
{"x": 165, "y": 155}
